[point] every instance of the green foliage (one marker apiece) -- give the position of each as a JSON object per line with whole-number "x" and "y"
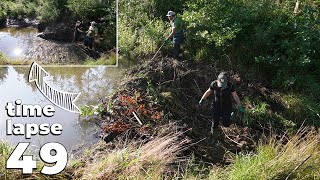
{"x": 103, "y": 12}
{"x": 260, "y": 114}
{"x": 92, "y": 9}
{"x": 301, "y": 109}
{"x": 263, "y": 35}
{"x": 44, "y": 10}
{"x": 87, "y": 110}
{"x": 5, "y": 151}
{"x": 110, "y": 59}
{"x": 142, "y": 34}
{"x": 276, "y": 160}
{"x": 17, "y": 9}
{"x": 287, "y": 111}
{"x": 48, "y": 10}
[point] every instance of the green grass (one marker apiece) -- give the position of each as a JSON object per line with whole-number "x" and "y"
{"x": 298, "y": 158}
{"x": 277, "y": 158}
{"x": 285, "y": 111}
{"x": 5, "y": 152}
{"x": 110, "y": 59}
{"x": 4, "y": 60}
{"x": 301, "y": 108}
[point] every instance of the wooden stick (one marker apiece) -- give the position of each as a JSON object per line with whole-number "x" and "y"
{"x": 297, "y": 167}
{"x": 231, "y": 139}
{"x": 296, "y": 7}
{"x": 137, "y": 118}
{"x": 197, "y": 86}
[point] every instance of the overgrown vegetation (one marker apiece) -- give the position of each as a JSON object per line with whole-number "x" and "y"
{"x": 110, "y": 59}
{"x": 295, "y": 158}
{"x": 263, "y": 37}
{"x": 160, "y": 158}
{"x": 271, "y": 53}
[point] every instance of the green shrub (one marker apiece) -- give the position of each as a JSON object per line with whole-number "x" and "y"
{"x": 140, "y": 35}
{"x": 48, "y": 11}
{"x": 301, "y": 109}
{"x": 257, "y": 34}
{"x": 88, "y": 10}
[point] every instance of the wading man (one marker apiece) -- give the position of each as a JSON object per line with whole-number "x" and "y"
{"x": 176, "y": 33}
{"x": 223, "y": 91}
{"x": 91, "y": 34}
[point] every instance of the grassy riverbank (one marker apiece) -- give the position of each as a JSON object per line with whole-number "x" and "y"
{"x": 296, "y": 158}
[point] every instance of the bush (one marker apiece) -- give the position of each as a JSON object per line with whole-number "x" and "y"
{"x": 256, "y": 34}
{"x": 48, "y": 11}
{"x": 18, "y": 9}
{"x": 140, "y": 35}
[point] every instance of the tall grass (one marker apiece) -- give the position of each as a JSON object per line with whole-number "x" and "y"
{"x": 149, "y": 161}
{"x": 5, "y": 151}
{"x": 105, "y": 59}
{"x": 295, "y": 158}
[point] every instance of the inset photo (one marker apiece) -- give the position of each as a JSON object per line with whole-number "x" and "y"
{"x": 58, "y": 32}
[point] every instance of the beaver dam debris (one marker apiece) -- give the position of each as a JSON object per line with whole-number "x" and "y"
{"x": 165, "y": 90}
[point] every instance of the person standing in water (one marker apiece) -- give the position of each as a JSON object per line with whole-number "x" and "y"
{"x": 92, "y": 33}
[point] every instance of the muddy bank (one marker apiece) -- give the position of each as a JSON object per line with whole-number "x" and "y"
{"x": 58, "y": 31}
{"x": 61, "y": 30}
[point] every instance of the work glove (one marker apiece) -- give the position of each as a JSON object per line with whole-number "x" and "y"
{"x": 167, "y": 41}
{"x": 241, "y": 109}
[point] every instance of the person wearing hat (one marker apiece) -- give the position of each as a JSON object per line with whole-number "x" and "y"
{"x": 91, "y": 34}
{"x": 176, "y": 33}
{"x": 222, "y": 90}
{"x": 76, "y": 31}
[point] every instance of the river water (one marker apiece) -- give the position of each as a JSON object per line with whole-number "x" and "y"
{"x": 93, "y": 83}
{"x": 24, "y": 44}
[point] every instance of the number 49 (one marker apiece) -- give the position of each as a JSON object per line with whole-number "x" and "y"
{"x": 27, "y": 164}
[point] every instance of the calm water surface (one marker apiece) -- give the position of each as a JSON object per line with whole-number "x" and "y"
{"x": 23, "y": 43}
{"x": 93, "y": 83}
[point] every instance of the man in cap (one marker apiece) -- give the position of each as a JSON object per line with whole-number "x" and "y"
{"x": 222, "y": 90}
{"x": 176, "y": 33}
{"x": 91, "y": 34}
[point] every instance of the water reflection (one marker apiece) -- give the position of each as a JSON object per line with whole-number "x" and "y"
{"x": 93, "y": 83}
{"x": 23, "y": 43}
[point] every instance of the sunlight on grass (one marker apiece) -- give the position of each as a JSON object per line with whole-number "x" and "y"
{"x": 297, "y": 158}
{"x": 110, "y": 59}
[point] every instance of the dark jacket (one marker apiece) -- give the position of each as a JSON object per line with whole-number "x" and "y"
{"x": 222, "y": 98}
